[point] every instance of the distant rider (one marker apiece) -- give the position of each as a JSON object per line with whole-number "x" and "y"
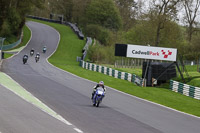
{"x": 44, "y": 49}
{"x": 25, "y": 56}
{"x": 32, "y": 51}
{"x": 38, "y": 55}
{"x": 100, "y": 84}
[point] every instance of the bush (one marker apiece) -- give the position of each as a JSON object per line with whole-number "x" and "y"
{"x": 5, "y": 29}
{"x": 103, "y": 35}
{"x": 101, "y": 54}
{"x": 104, "y": 13}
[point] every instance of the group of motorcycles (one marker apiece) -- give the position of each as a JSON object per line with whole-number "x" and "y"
{"x": 37, "y": 57}
{"x": 99, "y": 93}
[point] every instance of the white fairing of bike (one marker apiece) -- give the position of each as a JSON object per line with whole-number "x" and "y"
{"x": 100, "y": 92}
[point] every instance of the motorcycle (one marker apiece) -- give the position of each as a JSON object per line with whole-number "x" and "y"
{"x": 25, "y": 60}
{"x": 31, "y": 53}
{"x": 44, "y": 50}
{"x": 98, "y": 96}
{"x": 37, "y": 58}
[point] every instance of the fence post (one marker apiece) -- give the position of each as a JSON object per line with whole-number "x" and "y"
{"x": 191, "y": 91}
{"x": 113, "y": 72}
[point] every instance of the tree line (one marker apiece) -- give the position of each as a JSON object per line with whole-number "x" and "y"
{"x": 13, "y": 14}
{"x": 152, "y": 22}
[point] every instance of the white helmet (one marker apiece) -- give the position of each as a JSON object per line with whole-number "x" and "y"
{"x": 101, "y": 83}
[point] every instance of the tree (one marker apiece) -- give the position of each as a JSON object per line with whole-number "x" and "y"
{"x": 191, "y": 10}
{"x": 143, "y": 33}
{"x": 160, "y": 12}
{"x": 128, "y": 11}
{"x": 13, "y": 13}
{"x": 104, "y": 13}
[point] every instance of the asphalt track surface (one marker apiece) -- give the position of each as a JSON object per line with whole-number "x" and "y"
{"x": 19, "y": 116}
{"x": 69, "y": 96}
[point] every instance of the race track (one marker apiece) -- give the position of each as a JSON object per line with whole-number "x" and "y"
{"x": 69, "y": 95}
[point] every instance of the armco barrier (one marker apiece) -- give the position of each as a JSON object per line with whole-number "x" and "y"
{"x": 112, "y": 72}
{"x": 73, "y": 26}
{"x": 76, "y": 30}
{"x": 44, "y": 19}
{"x": 185, "y": 89}
{"x": 10, "y": 46}
{"x": 88, "y": 43}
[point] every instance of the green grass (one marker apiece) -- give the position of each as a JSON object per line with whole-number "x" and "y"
{"x": 136, "y": 71}
{"x": 194, "y": 78}
{"x": 192, "y": 71}
{"x": 65, "y": 58}
{"x": 26, "y": 37}
{"x": 10, "y": 39}
{"x": 7, "y": 55}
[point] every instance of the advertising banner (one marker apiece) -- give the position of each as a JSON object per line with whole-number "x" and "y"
{"x": 154, "y": 53}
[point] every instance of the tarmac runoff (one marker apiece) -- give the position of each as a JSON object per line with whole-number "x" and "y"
{"x": 13, "y": 86}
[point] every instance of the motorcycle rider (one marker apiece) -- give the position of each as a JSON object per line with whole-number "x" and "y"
{"x": 32, "y": 51}
{"x": 37, "y": 56}
{"x": 25, "y": 58}
{"x": 100, "y": 84}
{"x": 44, "y": 49}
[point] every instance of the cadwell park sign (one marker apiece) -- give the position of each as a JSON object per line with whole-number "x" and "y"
{"x": 146, "y": 52}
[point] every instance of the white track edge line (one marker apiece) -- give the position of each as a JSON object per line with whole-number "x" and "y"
{"x": 78, "y": 130}
{"x": 62, "y": 119}
{"x": 58, "y": 116}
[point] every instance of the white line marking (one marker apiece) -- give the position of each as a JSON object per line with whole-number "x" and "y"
{"x": 78, "y": 130}
{"x": 57, "y": 116}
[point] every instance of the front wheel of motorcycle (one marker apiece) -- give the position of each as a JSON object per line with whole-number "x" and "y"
{"x": 98, "y": 104}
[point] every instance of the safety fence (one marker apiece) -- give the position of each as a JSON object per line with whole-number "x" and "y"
{"x": 112, "y": 72}
{"x": 76, "y": 30}
{"x": 73, "y": 26}
{"x": 185, "y": 89}
{"x": 86, "y": 47}
{"x": 45, "y": 19}
{"x": 10, "y": 46}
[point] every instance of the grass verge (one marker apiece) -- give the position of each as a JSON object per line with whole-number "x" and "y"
{"x": 7, "y": 55}
{"x": 65, "y": 58}
{"x": 26, "y": 37}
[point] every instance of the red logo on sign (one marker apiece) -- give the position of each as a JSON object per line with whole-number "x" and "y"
{"x": 166, "y": 54}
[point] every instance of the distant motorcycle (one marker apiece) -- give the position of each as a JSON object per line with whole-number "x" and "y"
{"x": 98, "y": 96}
{"x": 25, "y": 58}
{"x": 44, "y": 49}
{"x": 31, "y": 52}
{"x": 37, "y": 57}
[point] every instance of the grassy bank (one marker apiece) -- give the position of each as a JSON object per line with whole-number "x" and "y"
{"x": 25, "y": 39}
{"x": 7, "y": 55}
{"x": 65, "y": 58}
{"x": 194, "y": 79}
